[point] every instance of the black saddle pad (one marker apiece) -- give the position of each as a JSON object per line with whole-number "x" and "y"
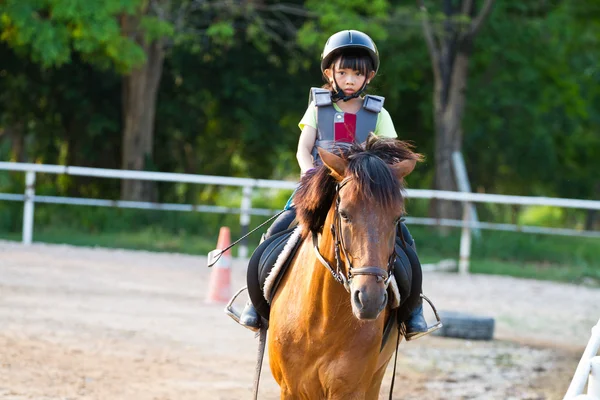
{"x": 407, "y": 261}
{"x": 403, "y": 271}
{"x": 261, "y": 263}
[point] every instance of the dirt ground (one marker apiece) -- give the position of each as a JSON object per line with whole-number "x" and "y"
{"x": 86, "y": 323}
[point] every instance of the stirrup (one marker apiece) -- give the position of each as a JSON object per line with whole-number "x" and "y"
{"x": 432, "y": 328}
{"x": 235, "y": 313}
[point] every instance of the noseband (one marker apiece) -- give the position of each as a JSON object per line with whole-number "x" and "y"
{"x": 338, "y": 274}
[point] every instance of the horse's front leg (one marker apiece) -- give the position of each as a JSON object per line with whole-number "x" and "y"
{"x": 342, "y": 389}
{"x": 346, "y": 395}
{"x": 375, "y": 388}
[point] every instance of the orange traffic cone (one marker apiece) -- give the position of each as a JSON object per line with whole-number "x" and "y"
{"x": 219, "y": 290}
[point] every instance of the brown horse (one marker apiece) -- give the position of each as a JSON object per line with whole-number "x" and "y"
{"x": 327, "y": 318}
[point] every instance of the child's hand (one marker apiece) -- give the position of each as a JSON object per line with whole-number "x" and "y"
{"x": 302, "y": 173}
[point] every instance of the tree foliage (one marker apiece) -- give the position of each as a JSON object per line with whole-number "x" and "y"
{"x": 235, "y": 81}
{"x": 50, "y": 31}
{"x": 531, "y": 114}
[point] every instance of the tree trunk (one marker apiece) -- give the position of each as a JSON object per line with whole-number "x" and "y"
{"x": 448, "y": 131}
{"x": 139, "y": 93}
{"x": 16, "y": 136}
{"x": 450, "y": 60}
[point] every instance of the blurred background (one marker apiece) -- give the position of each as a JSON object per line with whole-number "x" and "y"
{"x": 218, "y": 87}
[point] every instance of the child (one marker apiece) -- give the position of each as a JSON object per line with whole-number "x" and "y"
{"x": 340, "y": 113}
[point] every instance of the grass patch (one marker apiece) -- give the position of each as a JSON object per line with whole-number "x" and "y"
{"x": 147, "y": 239}
{"x": 539, "y": 271}
{"x": 514, "y": 247}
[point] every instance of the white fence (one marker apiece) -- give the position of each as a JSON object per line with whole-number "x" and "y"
{"x": 245, "y": 210}
{"x": 588, "y": 370}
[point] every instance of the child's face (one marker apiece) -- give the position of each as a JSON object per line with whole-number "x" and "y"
{"x": 348, "y": 80}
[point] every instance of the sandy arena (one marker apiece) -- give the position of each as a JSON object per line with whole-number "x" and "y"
{"x": 83, "y": 323}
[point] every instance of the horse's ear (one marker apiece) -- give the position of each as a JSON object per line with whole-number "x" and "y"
{"x": 337, "y": 165}
{"x": 403, "y": 168}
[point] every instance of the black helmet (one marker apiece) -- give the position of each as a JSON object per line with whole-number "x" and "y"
{"x": 348, "y": 40}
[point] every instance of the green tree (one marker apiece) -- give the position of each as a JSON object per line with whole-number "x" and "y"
{"x": 530, "y": 123}
{"x": 234, "y": 114}
{"x": 133, "y": 38}
{"x": 50, "y": 31}
{"x": 206, "y": 27}
{"x": 61, "y": 115}
{"x": 449, "y": 36}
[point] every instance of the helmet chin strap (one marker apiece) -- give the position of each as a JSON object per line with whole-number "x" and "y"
{"x": 338, "y": 94}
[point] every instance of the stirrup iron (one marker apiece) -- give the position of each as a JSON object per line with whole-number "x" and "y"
{"x": 431, "y": 328}
{"x": 230, "y": 310}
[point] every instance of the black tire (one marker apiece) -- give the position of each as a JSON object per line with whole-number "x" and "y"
{"x": 465, "y": 326}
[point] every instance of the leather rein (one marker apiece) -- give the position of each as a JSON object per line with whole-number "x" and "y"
{"x": 338, "y": 273}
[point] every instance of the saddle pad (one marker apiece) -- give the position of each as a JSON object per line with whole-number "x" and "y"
{"x": 402, "y": 272}
{"x": 281, "y": 264}
{"x": 261, "y": 263}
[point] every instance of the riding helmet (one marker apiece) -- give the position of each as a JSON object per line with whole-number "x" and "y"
{"x": 348, "y": 39}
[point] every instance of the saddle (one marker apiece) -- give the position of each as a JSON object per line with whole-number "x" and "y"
{"x": 262, "y": 261}
{"x": 271, "y": 259}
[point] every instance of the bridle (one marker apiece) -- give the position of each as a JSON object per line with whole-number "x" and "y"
{"x": 338, "y": 274}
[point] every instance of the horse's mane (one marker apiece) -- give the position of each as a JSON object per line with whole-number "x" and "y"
{"x": 368, "y": 164}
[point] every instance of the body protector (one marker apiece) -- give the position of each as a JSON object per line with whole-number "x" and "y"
{"x": 337, "y": 126}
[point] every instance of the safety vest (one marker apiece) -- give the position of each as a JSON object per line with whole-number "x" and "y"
{"x": 338, "y": 126}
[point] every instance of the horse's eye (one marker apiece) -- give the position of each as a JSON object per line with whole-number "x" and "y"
{"x": 345, "y": 216}
{"x": 397, "y": 220}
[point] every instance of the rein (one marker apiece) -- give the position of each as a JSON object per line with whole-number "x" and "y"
{"x": 338, "y": 273}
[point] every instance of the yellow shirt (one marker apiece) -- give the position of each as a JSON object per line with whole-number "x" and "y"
{"x": 383, "y": 128}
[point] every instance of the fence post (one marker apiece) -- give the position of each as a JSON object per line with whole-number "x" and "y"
{"x": 594, "y": 378}
{"x": 465, "y": 240}
{"x": 245, "y": 220}
{"x": 28, "y": 207}
{"x": 582, "y": 372}
{"x": 462, "y": 180}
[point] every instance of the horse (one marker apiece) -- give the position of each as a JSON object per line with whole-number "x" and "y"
{"x": 326, "y": 323}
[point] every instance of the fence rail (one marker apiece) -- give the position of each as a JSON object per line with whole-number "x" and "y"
{"x": 248, "y": 185}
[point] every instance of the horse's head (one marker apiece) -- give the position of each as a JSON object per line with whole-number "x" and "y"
{"x": 364, "y": 187}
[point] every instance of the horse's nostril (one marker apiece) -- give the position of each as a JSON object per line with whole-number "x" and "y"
{"x": 358, "y": 299}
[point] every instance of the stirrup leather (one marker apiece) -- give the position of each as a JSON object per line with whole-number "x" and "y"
{"x": 235, "y": 313}
{"x": 432, "y": 328}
